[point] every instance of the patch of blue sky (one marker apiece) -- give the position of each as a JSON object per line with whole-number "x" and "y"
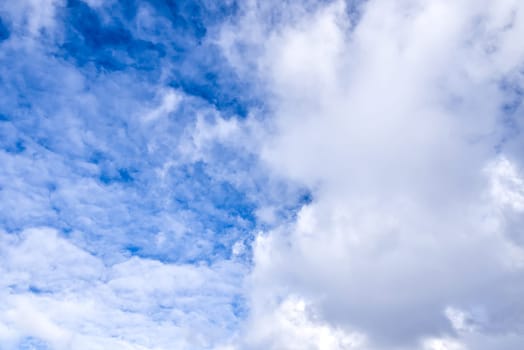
{"x": 514, "y": 95}
{"x": 78, "y": 156}
{"x": 4, "y": 30}
{"x": 82, "y": 155}
{"x": 32, "y": 343}
{"x": 88, "y": 40}
{"x": 512, "y": 116}
{"x": 157, "y": 37}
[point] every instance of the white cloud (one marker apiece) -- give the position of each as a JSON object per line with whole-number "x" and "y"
{"x": 294, "y": 326}
{"x": 507, "y": 186}
{"x": 68, "y": 298}
{"x": 33, "y": 16}
{"x": 390, "y": 114}
{"x": 391, "y": 120}
{"x": 442, "y": 344}
{"x": 170, "y": 100}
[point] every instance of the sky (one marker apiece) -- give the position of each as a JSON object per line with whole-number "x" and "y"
{"x": 262, "y": 174}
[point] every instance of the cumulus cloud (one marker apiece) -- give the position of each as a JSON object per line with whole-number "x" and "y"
{"x": 261, "y": 175}
{"x": 292, "y": 324}
{"x": 391, "y": 116}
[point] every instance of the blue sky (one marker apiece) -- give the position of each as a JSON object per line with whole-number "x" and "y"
{"x": 261, "y": 174}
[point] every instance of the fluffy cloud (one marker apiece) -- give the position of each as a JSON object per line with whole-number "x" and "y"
{"x": 396, "y": 117}
{"x": 261, "y": 175}
{"x": 56, "y": 293}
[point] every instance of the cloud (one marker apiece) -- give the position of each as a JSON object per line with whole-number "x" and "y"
{"x": 293, "y": 324}
{"x": 70, "y": 299}
{"x": 32, "y": 18}
{"x": 391, "y": 117}
{"x": 113, "y": 234}
{"x": 261, "y": 174}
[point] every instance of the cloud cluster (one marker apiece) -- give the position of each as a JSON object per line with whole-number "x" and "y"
{"x": 402, "y": 117}
{"x": 125, "y": 209}
{"x": 227, "y": 175}
{"x": 57, "y": 294}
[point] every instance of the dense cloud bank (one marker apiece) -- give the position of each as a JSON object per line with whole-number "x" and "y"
{"x": 262, "y": 175}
